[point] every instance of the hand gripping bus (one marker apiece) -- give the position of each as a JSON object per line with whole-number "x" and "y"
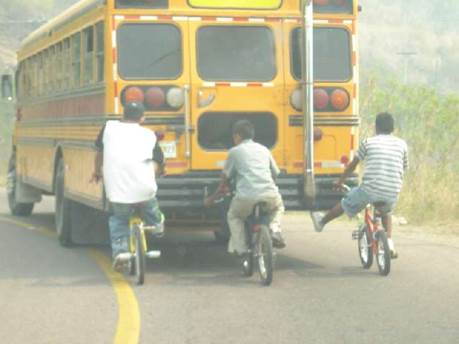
{"x": 290, "y": 67}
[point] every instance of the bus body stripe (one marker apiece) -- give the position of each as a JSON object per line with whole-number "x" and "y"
{"x": 148, "y": 17}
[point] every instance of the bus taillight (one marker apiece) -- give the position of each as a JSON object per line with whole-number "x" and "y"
{"x": 339, "y": 99}
{"x": 321, "y": 99}
{"x": 133, "y": 94}
{"x": 154, "y": 97}
{"x": 318, "y": 134}
{"x": 175, "y": 97}
{"x": 296, "y": 100}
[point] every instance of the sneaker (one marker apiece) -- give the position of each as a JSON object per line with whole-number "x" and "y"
{"x": 121, "y": 261}
{"x": 278, "y": 240}
{"x": 393, "y": 252}
{"x": 317, "y": 218}
{"x": 158, "y": 229}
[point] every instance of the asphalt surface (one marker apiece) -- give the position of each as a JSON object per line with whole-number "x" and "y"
{"x": 196, "y": 294}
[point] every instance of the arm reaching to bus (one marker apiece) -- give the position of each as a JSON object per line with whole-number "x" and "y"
{"x": 222, "y": 190}
{"x": 99, "y": 160}
{"x": 347, "y": 173}
{"x": 97, "y": 174}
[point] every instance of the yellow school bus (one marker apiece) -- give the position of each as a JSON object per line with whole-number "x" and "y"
{"x": 198, "y": 66}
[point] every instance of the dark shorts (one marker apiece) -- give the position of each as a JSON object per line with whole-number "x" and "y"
{"x": 357, "y": 199}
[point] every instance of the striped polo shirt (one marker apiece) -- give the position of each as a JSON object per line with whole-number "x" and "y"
{"x": 385, "y": 158}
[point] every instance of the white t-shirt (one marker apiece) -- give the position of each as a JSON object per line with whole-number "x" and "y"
{"x": 129, "y": 174}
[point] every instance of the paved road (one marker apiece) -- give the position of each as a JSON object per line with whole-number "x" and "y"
{"x": 195, "y": 293}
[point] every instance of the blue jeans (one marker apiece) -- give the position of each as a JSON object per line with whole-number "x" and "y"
{"x": 119, "y": 221}
{"x": 357, "y": 199}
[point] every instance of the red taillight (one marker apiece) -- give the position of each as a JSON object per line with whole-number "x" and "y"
{"x": 321, "y": 99}
{"x": 339, "y": 99}
{"x": 345, "y": 160}
{"x": 155, "y": 97}
{"x": 134, "y": 94}
{"x": 318, "y": 134}
{"x": 160, "y": 135}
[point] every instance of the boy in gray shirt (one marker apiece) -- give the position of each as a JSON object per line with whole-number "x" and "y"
{"x": 253, "y": 169}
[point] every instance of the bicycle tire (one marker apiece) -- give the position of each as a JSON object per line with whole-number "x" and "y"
{"x": 139, "y": 256}
{"x": 365, "y": 248}
{"x": 382, "y": 253}
{"x": 264, "y": 255}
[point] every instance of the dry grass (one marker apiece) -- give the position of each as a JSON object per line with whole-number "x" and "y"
{"x": 431, "y": 195}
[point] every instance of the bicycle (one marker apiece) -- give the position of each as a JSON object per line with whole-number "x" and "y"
{"x": 372, "y": 239}
{"x": 260, "y": 245}
{"x": 138, "y": 247}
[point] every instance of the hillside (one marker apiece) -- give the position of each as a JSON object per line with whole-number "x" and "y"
{"x": 419, "y": 35}
{"x": 426, "y": 29}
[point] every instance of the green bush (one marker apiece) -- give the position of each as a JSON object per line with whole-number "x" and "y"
{"x": 429, "y": 122}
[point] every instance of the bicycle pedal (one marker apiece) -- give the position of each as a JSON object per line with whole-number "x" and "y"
{"x": 153, "y": 254}
{"x": 356, "y": 235}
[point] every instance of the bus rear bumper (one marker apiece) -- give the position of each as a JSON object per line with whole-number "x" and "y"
{"x": 183, "y": 195}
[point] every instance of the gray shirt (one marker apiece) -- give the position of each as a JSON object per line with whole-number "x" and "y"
{"x": 252, "y": 167}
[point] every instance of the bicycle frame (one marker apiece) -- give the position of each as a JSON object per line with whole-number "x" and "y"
{"x": 134, "y": 221}
{"x": 372, "y": 224}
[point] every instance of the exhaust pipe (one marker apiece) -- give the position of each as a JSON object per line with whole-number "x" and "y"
{"x": 307, "y": 67}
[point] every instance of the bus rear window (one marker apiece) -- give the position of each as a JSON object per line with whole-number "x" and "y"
{"x": 142, "y": 4}
{"x": 253, "y": 4}
{"x": 236, "y": 53}
{"x": 149, "y": 51}
{"x": 332, "y": 54}
{"x": 215, "y": 128}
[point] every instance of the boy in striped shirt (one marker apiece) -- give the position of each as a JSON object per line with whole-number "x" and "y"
{"x": 386, "y": 159}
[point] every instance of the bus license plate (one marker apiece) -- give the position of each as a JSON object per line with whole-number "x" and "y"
{"x": 169, "y": 149}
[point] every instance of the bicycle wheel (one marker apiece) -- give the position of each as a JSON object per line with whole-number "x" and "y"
{"x": 365, "y": 248}
{"x": 264, "y": 255}
{"x": 383, "y": 253}
{"x": 139, "y": 257}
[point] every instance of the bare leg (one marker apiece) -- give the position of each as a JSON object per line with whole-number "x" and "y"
{"x": 332, "y": 214}
{"x": 387, "y": 224}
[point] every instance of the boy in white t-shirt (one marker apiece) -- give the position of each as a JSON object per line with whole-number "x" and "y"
{"x": 127, "y": 154}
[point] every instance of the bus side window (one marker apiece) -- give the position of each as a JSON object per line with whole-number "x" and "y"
{"x": 67, "y": 65}
{"x": 88, "y": 53}
{"x": 41, "y": 73}
{"x": 76, "y": 60}
{"x": 100, "y": 51}
{"x": 58, "y": 67}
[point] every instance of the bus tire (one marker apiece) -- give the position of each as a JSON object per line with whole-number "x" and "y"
{"x": 63, "y": 208}
{"x": 16, "y": 208}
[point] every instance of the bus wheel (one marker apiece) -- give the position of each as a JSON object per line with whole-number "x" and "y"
{"x": 16, "y": 208}
{"x": 63, "y": 208}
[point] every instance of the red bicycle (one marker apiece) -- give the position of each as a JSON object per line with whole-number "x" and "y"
{"x": 372, "y": 241}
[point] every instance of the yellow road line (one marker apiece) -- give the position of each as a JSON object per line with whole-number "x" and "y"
{"x": 128, "y": 327}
